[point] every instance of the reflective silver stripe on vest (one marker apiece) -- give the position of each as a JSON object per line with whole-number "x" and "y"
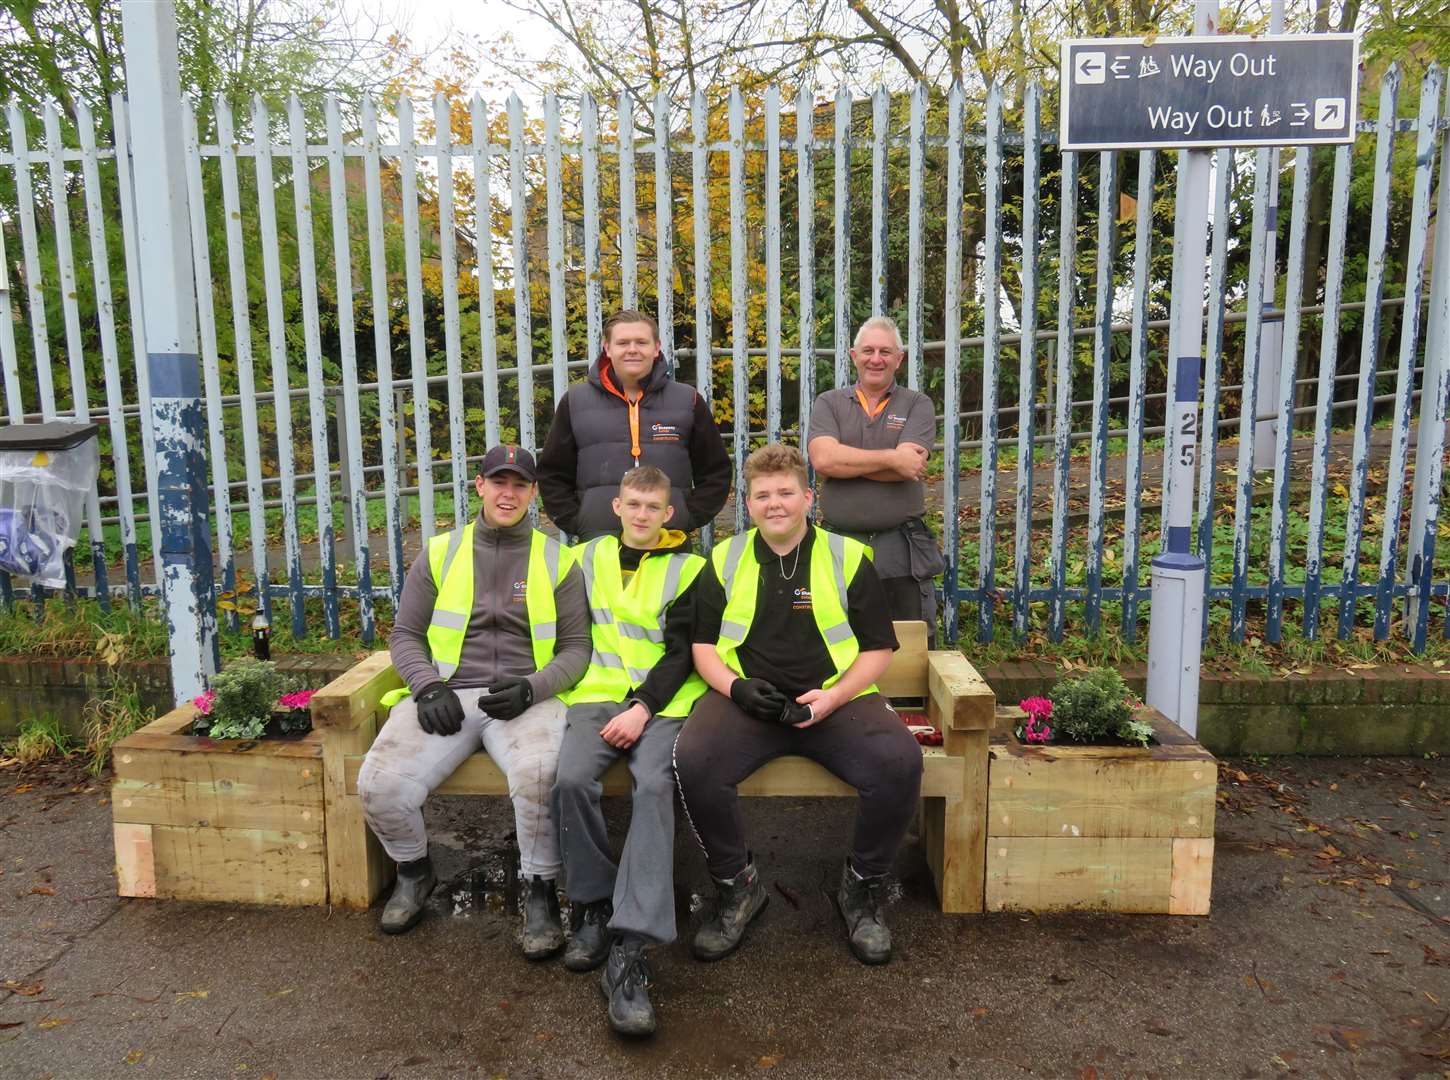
{"x": 588, "y": 559}
{"x": 837, "y": 544}
{"x": 455, "y": 539}
{"x": 449, "y": 620}
{"x": 446, "y": 670}
{"x": 640, "y": 633}
{"x": 834, "y": 635}
{"x": 734, "y": 630}
{"x": 673, "y": 569}
{"x": 733, "y": 555}
{"x": 552, "y": 553}
{"x": 545, "y": 630}
{"x": 606, "y": 659}
{"x": 637, "y": 676}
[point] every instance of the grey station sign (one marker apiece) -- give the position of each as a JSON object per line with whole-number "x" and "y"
{"x": 1137, "y": 93}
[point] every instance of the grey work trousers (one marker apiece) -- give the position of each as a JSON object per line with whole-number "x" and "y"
{"x": 642, "y": 884}
{"x": 406, "y": 763}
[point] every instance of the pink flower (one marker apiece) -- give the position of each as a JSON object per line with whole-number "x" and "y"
{"x": 1035, "y": 730}
{"x": 298, "y": 699}
{"x": 1038, "y": 708}
{"x": 204, "y": 701}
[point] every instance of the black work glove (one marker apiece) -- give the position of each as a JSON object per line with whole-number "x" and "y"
{"x": 507, "y": 698}
{"x": 439, "y": 710}
{"x": 758, "y": 698}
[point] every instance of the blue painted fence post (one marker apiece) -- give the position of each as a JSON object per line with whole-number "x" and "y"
{"x": 169, "y": 300}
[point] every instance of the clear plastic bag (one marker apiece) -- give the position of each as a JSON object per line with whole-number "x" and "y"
{"x": 42, "y": 504}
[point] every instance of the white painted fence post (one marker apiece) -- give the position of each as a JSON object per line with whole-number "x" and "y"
{"x": 169, "y": 300}
{"x": 1175, "y": 635}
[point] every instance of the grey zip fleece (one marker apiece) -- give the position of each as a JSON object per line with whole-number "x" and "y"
{"x": 497, "y": 643}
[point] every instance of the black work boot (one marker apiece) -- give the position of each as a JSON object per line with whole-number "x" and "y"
{"x": 589, "y": 937}
{"x": 410, "y": 895}
{"x": 741, "y": 899}
{"x": 543, "y": 930}
{"x": 625, "y": 982}
{"x": 859, "y": 900}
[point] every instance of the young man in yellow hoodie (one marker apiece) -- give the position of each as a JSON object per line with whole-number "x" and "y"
{"x": 632, "y": 703}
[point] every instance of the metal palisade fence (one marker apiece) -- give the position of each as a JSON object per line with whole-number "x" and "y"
{"x": 383, "y": 295}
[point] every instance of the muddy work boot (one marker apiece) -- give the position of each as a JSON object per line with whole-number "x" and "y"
{"x": 625, "y": 982}
{"x": 410, "y": 895}
{"x": 859, "y": 901}
{"x": 589, "y": 937}
{"x": 543, "y": 929}
{"x": 741, "y": 899}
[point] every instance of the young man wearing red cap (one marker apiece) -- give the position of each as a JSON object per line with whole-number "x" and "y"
{"x": 492, "y": 627}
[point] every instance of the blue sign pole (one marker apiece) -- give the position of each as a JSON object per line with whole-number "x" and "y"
{"x": 1175, "y": 625}
{"x": 168, "y": 294}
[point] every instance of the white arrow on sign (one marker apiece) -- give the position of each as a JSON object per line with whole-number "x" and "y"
{"x": 1120, "y": 67}
{"x": 1301, "y": 113}
{"x": 1089, "y": 68}
{"x": 1328, "y": 113}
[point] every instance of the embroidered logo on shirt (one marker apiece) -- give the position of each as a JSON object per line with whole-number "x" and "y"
{"x": 664, "y": 433}
{"x": 520, "y": 591}
{"x": 802, "y": 599}
{"x": 894, "y": 422}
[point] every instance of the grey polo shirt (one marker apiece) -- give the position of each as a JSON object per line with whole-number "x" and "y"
{"x": 859, "y": 504}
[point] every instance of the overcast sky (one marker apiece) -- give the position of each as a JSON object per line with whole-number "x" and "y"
{"x": 431, "y": 24}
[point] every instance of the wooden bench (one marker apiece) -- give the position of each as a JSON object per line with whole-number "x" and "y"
{"x": 954, "y": 784}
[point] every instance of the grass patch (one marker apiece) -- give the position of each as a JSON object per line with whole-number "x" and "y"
{"x": 110, "y": 719}
{"x": 42, "y": 737}
{"x": 82, "y": 629}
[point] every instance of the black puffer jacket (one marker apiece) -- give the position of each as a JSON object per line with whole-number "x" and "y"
{"x": 598, "y": 435}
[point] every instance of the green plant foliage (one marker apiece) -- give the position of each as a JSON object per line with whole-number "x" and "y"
{"x": 109, "y": 718}
{"x": 246, "y": 694}
{"x": 1091, "y": 708}
{"x": 42, "y": 737}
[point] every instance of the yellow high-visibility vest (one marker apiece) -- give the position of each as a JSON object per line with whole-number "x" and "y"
{"x": 628, "y": 622}
{"x": 450, "y": 558}
{"x": 834, "y": 562}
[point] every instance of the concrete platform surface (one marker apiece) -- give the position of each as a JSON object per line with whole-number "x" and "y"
{"x": 1327, "y": 954}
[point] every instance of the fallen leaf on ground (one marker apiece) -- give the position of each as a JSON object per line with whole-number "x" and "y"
{"x": 53, "y": 1022}
{"x": 769, "y": 1061}
{"x": 23, "y": 788}
{"x": 135, "y": 1057}
{"x": 191, "y": 994}
{"x": 24, "y": 989}
{"x": 42, "y": 890}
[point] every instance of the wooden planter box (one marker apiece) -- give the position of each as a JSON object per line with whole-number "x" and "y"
{"x": 1112, "y": 828}
{"x": 208, "y": 819}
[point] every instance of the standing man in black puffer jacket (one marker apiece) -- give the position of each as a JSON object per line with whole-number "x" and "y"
{"x": 630, "y": 413}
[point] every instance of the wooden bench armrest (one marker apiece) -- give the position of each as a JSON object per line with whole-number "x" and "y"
{"x": 342, "y": 704}
{"x": 959, "y": 698}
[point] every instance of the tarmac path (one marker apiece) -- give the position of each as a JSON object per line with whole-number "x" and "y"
{"x": 1327, "y": 954}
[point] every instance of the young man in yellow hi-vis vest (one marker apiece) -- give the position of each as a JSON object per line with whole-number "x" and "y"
{"x": 492, "y": 627}
{"x": 792, "y": 630}
{"x": 631, "y": 702}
